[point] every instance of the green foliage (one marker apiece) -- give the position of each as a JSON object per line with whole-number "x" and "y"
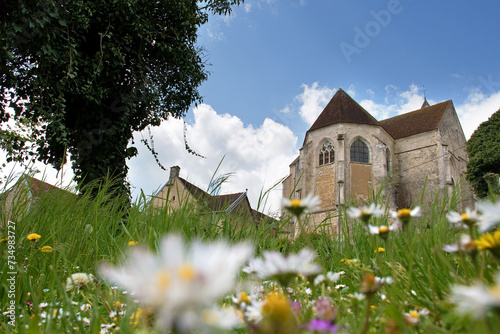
{"x": 483, "y": 148}
{"x": 86, "y": 74}
{"x": 87, "y": 231}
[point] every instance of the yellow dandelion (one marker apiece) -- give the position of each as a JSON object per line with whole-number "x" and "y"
{"x": 133, "y": 243}
{"x": 490, "y": 241}
{"x": 136, "y": 317}
{"x": 33, "y": 237}
{"x": 379, "y": 250}
{"x": 46, "y": 249}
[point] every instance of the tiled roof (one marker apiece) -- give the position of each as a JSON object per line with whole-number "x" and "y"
{"x": 38, "y": 188}
{"x": 418, "y": 121}
{"x": 215, "y": 203}
{"x": 343, "y": 109}
{"x": 222, "y": 202}
{"x": 196, "y": 192}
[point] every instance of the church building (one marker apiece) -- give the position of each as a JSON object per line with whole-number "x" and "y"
{"x": 348, "y": 155}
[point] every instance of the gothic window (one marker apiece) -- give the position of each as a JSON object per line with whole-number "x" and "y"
{"x": 326, "y": 154}
{"x": 360, "y": 152}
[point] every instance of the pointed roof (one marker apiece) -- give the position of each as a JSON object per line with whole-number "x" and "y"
{"x": 425, "y": 104}
{"x": 343, "y": 109}
{"x": 418, "y": 121}
{"x": 225, "y": 202}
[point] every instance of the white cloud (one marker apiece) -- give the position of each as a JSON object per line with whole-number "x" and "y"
{"x": 379, "y": 111}
{"x": 258, "y": 157}
{"x": 313, "y": 100}
{"x": 351, "y": 91}
{"x": 396, "y": 102}
{"x": 410, "y": 100}
{"x": 286, "y": 110}
{"x": 477, "y": 109}
{"x": 214, "y": 33}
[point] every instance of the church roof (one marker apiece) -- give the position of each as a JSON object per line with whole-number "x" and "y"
{"x": 343, "y": 109}
{"x": 215, "y": 202}
{"x": 422, "y": 120}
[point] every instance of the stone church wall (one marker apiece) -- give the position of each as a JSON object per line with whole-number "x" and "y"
{"x": 418, "y": 158}
{"x": 456, "y": 157}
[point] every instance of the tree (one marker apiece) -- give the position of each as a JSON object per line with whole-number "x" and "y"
{"x": 483, "y": 148}
{"x": 84, "y": 75}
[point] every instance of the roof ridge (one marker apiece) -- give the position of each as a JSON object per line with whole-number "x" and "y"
{"x": 424, "y": 109}
{"x": 416, "y": 121}
{"x": 342, "y": 108}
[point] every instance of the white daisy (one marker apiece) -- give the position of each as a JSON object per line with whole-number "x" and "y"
{"x": 468, "y": 218}
{"x": 413, "y": 317}
{"x": 79, "y": 281}
{"x": 490, "y": 215}
{"x": 274, "y": 265}
{"x": 405, "y": 215}
{"x": 366, "y": 212}
{"x": 180, "y": 282}
{"x": 222, "y": 318}
{"x": 465, "y": 244}
{"x": 334, "y": 277}
{"x": 299, "y": 206}
{"x": 476, "y": 300}
{"x": 372, "y": 284}
{"x": 358, "y": 296}
{"x": 319, "y": 279}
{"x": 382, "y": 231}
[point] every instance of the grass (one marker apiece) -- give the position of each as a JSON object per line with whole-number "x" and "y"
{"x": 84, "y": 233}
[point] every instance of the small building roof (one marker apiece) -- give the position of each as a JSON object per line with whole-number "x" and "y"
{"x": 418, "y": 121}
{"x": 343, "y": 109}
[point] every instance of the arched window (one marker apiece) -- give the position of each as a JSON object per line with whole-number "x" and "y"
{"x": 360, "y": 152}
{"x": 326, "y": 154}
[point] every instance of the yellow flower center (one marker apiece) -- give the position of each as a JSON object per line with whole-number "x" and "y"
{"x": 244, "y": 297}
{"x": 295, "y": 203}
{"x": 414, "y": 314}
{"x": 494, "y": 291}
{"x": 464, "y": 216}
{"x": 383, "y": 229}
{"x": 380, "y": 250}
{"x": 209, "y": 317}
{"x": 132, "y": 243}
{"x": 187, "y": 272}
{"x": 369, "y": 279}
{"x": 403, "y": 213}
{"x": 163, "y": 280}
{"x": 277, "y": 307}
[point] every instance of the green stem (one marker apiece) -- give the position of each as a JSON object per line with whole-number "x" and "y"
{"x": 366, "y": 323}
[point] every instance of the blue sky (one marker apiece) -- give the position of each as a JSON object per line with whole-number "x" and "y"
{"x": 275, "y": 64}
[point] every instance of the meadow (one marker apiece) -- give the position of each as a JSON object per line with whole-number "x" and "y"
{"x": 84, "y": 265}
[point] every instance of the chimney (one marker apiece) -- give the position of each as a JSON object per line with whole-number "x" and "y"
{"x": 174, "y": 171}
